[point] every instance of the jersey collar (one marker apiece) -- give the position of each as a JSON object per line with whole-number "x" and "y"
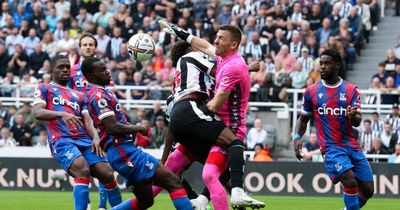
{"x": 56, "y": 84}
{"x": 332, "y": 86}
{"x": 95, "y": 85}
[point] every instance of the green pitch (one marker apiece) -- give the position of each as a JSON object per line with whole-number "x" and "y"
{"x": 34, "y": 200}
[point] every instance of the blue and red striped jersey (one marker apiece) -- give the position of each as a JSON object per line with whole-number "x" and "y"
{"x": 77, "y": 81}
{"x": 104, "y": 103}
{"x": 329, "y": 105}
{"x": 61, "y": 99}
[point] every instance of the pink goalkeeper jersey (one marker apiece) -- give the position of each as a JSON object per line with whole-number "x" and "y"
{"x": 232, "y": 75}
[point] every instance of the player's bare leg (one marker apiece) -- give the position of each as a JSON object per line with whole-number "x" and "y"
{"x": 105, "y": 174}
{"x": 81, "y": 172}
{"x": 350, "y": 190}
{"x": 365, "y": 192}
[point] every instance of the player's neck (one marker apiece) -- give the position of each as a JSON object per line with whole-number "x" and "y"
{"x": 59, "y": 83}
{"x": 227, "y": 54}
{"x": 333, "y": 82}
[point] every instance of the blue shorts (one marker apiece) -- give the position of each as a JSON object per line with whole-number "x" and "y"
{"x": 131, "y": 162}
{"x": 338, "y": 160}
{"x": 66, "y": 150}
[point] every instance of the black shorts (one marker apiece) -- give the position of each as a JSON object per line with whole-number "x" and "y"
{"x": 194, "y": 129}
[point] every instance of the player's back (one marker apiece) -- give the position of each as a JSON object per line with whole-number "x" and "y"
{"x": 328, "y": 104}
{"x": 104, "y": 103}
{"x": 232, "y": 75}
{"x": 62, "y": 99}
{"x": 77, "y": 81}
{"x": 192, "y": 74}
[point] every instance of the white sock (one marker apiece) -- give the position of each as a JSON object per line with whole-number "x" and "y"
{"x": 202, "y": 199}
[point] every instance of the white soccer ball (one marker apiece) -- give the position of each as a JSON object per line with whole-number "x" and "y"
{"x": 141, "y": 47}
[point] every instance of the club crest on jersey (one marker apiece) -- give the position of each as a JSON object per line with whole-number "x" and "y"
{"x": 149, "y": 165}
{"x": 338, "y": 167}
{"x": 342, "y": 97}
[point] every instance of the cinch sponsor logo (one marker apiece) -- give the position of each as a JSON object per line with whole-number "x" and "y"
{"x": 331, "y": 111}
{"x": 81, "y": 83}
{"x": 61, "y": 101}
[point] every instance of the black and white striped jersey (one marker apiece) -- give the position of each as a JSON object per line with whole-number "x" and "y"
{"x": 192, "y": 74}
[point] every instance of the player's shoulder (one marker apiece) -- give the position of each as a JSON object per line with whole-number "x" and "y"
{"x": 314, "y": 87}
{"x": 349, "y": 86}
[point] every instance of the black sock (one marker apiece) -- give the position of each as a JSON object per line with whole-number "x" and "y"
{"x": 236, "y": 162}
{"x": 189, "y": 190}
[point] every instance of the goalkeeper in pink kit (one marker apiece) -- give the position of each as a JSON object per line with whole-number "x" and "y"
{"x": 230, "y": 104}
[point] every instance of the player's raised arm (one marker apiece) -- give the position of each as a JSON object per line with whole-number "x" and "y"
{"x": 196, "y": 42}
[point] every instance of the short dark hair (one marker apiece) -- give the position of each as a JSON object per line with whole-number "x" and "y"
{"x": 87, "y": 66}
{"x": 56, "y": 58}
{"x": 260, "y": 145}
{"x": 87, "y": 35}
{"x": 236, "y": 33}
{"x": 375, "y": 113}
{"x": 382, "y": 64}
{"x": 178, "y": 50}
{"x": 367, "y": 121}
{"x": 334, "y": 54}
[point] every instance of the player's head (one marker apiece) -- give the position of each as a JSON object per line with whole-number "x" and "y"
{"x": 179, "y": 49}
{"x": 227, "y": 40}
{"x": 330, "y": 61}
{"x": 87, "y": 45}
{"x": 60, "y": 67}
{"x": 95, "y": 71}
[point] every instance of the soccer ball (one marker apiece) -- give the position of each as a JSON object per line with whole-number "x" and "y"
{"x": 141, "y": 47}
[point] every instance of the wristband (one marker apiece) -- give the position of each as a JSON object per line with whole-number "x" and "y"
{"x": 189, "y": 39}
{"x": 296, "y": 137}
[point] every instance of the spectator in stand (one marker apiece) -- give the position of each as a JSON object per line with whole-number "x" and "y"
{"x": 389, "y": 138}
{"x": 296, "y": 45}
{"x": 257, "y": 47}
{"x": 159, "y": 133}
{"x": 258, "y": 78}
{"x": 288, "y": 60}
{"x": 112, "y": 6}
{"x": 168, "y": 72}
{"x": 311, "y": 148}
{"x": 102, "y": 39}
{"x": 268, "y": 30}
{"x": 65, "y": 44}
{"x": 52, "y": 19}
{"x": 102, "y": 16}
{"x": 26, "y": 85}
{"x": 198, "y": 29}
{"x": 141, "y": 140}
{"x": 154, "y": 113}
{"x": 269, "y": 91}
{"x": 6, "y": 138}
{"x": 396, "y": 153}
{"x": 36, "y": 59}
{"x": 375, "y": 85}
{"x": 277, "y": 42}
{"x": 43, "y": 70}
{"x": 62, "y": 7}
{"x": 158, "y": 59}
{"x": 396, "y": 76}
{"x": 4, "y": 58}
{"x": 20, "y": 129}
{"x": 59, "y": 32}
{"x": 261, "y": 153}
{"x": 382, "y": 74}
{"x": 356, "y": 25}
{"x": 13, "y": 39}
{"x": 299, "y": 76}
{"x": 323, "y": 33}
{"x": 389, "y": 92}
{"x": 345, "y": 37}
{"x": 113, "y": 48}
{"x": 396, "y": 49}
{"x": 335, "y": 18}
{"x": 306, "y": 60}
{"x": 84, "y": 18}
{"x": 121, "y": 15}
{"x": 41, "y": 140}
{"x": 6, "y": 90}
{"x": 391, "y": 60}
{"x": 148, "y": 74}
{"x": 48, "y": 44}
{"x": 30, "y": 42}
{"x": 19, "y": 15}
{"x": 394, "y": 118}
{"x": 122, "y": 79}
{"x": 2, "y": 123}
{"x": 376, "y": 123}
{"x": 225, "y": 16}
{"x": 377, "y": 149}
{"x": 364, "y": 11}
{"x": 366, "y": 136}
{"x": 123, "y": 57}
{"x": 256, "y": 135}
{"x": 297, "y": 15}
{"x": 19, "y": 61}
{"x": 36, "y": 16}
{"x": 250, "y": 27}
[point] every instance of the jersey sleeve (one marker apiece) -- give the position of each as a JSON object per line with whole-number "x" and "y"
{"x": 230, "y": 77}
{"x": 307, "y": 104}
{"x": 101, "y": 105}
{"x": 40, "y": 95}
{"x": 355, "y": 99}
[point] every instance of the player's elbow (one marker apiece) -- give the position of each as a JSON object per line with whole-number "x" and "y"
{"x": 114, "y": 129}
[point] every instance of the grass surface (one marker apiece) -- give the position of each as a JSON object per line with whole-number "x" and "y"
{"x": 32, "y": 200}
